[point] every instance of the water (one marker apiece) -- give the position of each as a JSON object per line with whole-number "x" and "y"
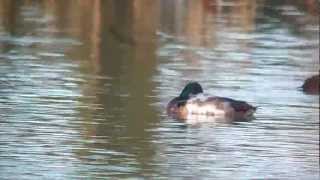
{"x": 84, "y": 85}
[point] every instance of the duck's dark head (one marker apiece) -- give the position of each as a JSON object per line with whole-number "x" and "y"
{"x": 190, "y": 89}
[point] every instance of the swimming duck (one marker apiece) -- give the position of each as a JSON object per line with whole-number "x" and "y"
{"x": 192, "y": 102}
{"x": 311, "y": 85}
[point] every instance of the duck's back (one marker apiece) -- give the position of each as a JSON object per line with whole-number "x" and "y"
{"x": 218, "y": 106}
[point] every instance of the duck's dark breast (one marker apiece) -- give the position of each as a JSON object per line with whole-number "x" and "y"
{"x": 176, "y": 111}
{"x": 172, "y": 106}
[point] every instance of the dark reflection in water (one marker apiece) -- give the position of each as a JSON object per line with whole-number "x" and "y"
{"x": 84, "y": 85}
{"x": 121, "y": 90}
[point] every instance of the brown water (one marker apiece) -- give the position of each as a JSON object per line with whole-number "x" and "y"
{"x": 84, "y": 85}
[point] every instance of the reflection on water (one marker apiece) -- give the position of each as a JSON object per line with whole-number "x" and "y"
{"x": 84, "y": 85}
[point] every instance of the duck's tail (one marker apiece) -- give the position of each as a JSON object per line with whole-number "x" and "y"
{"x": 255, "y": 107}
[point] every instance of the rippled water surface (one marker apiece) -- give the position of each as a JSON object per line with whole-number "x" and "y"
{"x": 84, "y": 86}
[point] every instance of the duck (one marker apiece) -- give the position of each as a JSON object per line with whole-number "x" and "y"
{"x": 193, "y": 103}
{"x": 311, "y": 85}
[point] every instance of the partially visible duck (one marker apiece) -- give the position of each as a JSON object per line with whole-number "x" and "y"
{"x": 311, "y": 85}
{"x": 192, "y": 102}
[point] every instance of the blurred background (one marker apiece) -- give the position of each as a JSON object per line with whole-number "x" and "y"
{"x": 84, "y": 86}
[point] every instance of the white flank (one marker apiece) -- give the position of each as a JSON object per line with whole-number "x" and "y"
{"x": 195, "y": 105}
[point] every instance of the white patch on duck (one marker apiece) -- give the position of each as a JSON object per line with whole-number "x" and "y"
{"x": 200, "y": 105}
{"x": 198, "y": 118}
